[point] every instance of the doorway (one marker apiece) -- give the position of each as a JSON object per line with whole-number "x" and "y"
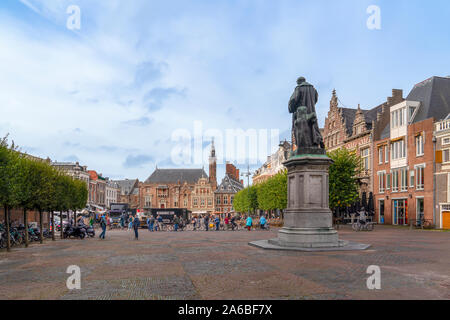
{"x": 400, "y": 212}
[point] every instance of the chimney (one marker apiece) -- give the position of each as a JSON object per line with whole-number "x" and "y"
{"x": 237, "y": 174}
{"x": 397, "y": 95}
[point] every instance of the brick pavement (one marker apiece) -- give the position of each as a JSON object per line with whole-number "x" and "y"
{"x": 221, "y": 265}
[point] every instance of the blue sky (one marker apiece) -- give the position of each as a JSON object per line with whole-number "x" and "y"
{"x": 111, "y": 94}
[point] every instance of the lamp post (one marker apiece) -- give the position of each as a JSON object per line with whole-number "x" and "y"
{"x": 247, "y": 174}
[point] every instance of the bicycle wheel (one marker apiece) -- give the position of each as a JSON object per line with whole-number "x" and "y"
{"x": 355, "y": 226}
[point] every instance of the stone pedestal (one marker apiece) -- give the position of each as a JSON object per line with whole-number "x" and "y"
{"x": 308, "y": 221}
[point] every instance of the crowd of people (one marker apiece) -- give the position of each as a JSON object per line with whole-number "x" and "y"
{"x": 204, "y": 222}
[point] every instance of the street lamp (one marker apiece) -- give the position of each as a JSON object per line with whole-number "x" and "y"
{"x": 247, "y": 174}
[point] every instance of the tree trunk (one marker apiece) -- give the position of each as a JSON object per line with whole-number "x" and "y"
{"x": 75, "y": 219}
{"x": 8, "y": 234}
{"x": 53, "y": 226}
{"x": 41, "y": 227}
{"x": 25, "y": 222}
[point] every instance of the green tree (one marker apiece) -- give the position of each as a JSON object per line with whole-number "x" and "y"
{"x": 272, "y": 194}
{"x": 343, "y": 178}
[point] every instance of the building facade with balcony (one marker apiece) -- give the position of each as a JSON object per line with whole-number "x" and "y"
{"x": 353, "y": 129}
{"x": 410, "y": 173}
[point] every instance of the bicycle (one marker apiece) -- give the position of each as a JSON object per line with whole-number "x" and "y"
{"x": 361, "y": 225}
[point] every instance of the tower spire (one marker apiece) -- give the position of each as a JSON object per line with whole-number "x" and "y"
{"x": 213, "y": 166}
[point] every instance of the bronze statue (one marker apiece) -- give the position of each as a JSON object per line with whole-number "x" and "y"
{"x": 308, "y": 138}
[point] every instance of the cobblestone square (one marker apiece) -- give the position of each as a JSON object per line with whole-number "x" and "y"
{"x": 415, "y": 264}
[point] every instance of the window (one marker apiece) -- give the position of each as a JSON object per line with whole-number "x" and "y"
{"x": 225, "y": 199}
{"x": 411, "y": 179}
{"x": 202, "y": 202}
{"x": 446, "y": 140}
{"x": 398, "y": 150}
{"x": 209, "y": 202}
{"x": 420, "y": 182}
{"x": 232, "y": 200}
{"x": 419, "y": 145}
{"x": 365, "y": 159}
{"x": 446, "y": 155}
{"x": 404, "y": 179}
{"x": 395, "y": 181}
{"x": 175, "y": 204}
{"x": 386, "y": 154}
{"x": 195, "y": 202}
{"x": 380, "y": 155}
{"x": 218, "y": 199}
{"x": 185, "y": 203}
{"x": 388, "y": 181}
{"x": 148, "y": 203}
{"x": 381, "y": 181}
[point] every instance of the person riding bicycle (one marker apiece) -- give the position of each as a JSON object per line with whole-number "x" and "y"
{"x": 233, "y": 223}
{"x": 262, "y": 222}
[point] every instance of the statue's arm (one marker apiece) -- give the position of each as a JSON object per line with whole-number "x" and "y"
{"x": 293, "y": 101}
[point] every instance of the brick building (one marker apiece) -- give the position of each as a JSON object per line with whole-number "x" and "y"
{"x": 442, "y": 134}
{"x": 178, "y": 188}
{"x": 230, "y": 185}
{"x": 97, "y": 189}
{"x": 129, "y": 192}
{"x": 405, "y": 185}
{"x": 353, "y": 129}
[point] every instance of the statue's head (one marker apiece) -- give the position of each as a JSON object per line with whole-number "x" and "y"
{"x": 301, "y": 80}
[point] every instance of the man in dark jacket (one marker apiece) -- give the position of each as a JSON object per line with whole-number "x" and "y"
{"x": 207, "y": 222}
{"x": 136, "y": 224}
{"x": 176, "y": 222}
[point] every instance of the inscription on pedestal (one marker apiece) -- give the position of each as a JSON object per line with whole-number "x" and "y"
{"x": 315, "y": 190}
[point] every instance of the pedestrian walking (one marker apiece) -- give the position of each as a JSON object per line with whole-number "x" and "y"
{"x": 103, "y": 224}
{"x": 130, "y": 223}
{"x": 206, "y": 222}
{"x": 227, "y": 223}
{"x": 136, "y": 224}
{"x": 262, "y": 222}
{"x": 249, "y": 223}
{"x": 176, "y": 223}
{"x": 122, "y": 221}
{"x": 217, "y": 222}
{"x": 151, "y": 222}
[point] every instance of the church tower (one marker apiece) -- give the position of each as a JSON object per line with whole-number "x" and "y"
{"x": 213, "y": 167}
